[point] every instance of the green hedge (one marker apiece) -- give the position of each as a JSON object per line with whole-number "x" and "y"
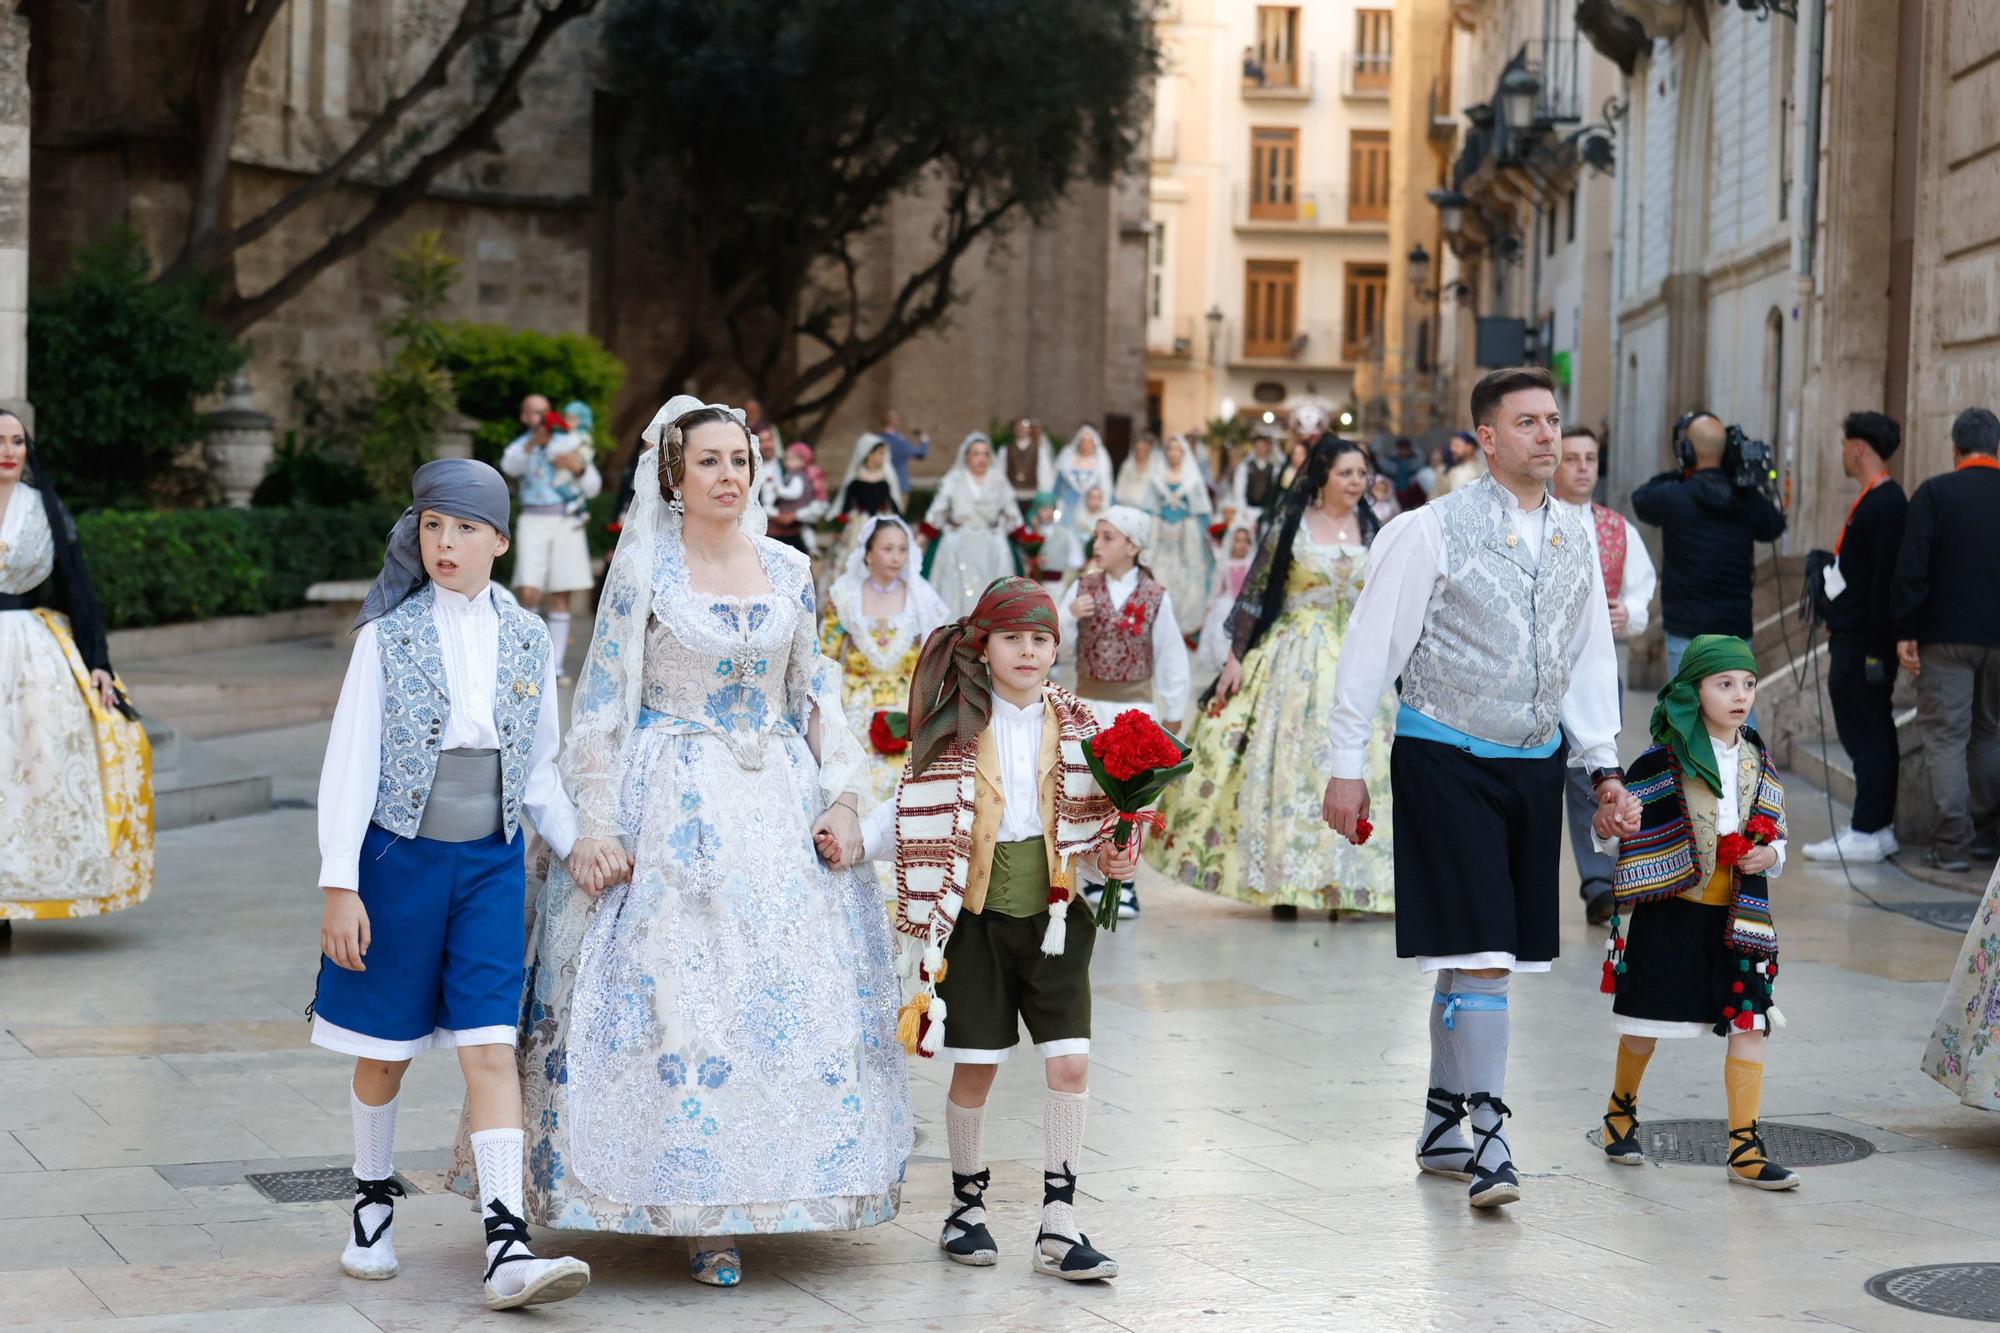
{"x": 156, "y": 568}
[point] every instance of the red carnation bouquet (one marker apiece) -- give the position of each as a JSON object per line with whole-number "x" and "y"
{"x": 1761, "y": 831}
{"x": 928, "y": 533}
{"x": 1027, "y": 539}
{"x": 1215, "y": 531}
{"x": 889, "y": 732}
{"x": 1133, "y": 760}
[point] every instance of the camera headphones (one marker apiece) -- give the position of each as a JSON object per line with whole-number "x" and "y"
{"x": 1683, "y": 446}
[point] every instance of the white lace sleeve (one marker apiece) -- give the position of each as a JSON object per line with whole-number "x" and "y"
{"x": 812, "y": 683}
{"x": 601, "y": 713}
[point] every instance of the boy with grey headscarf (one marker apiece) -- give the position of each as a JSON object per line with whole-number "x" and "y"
{"x": 441, "y": 740}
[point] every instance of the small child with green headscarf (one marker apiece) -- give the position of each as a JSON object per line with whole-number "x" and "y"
{"x": 1700, "y": 952}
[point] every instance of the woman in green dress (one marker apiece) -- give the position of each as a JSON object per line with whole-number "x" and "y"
{"x": 1246, "y": 823}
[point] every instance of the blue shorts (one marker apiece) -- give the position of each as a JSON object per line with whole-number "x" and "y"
{"x": 447, "y": 941}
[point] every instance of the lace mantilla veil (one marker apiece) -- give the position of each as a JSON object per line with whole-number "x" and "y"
{"x": 605, "y": 710}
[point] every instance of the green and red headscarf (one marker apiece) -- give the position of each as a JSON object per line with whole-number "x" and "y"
{"x": 951, "y": 695}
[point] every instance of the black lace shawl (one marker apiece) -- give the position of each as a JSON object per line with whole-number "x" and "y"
{"x": 69, "y": 589}
{"x": 1262, "y": 599}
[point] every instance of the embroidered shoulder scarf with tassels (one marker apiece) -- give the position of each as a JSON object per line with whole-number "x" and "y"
{"x": 934, "y": 815}
{"x": 1662, "y": 859}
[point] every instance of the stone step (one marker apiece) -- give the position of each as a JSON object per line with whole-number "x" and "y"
{"x": 201, "y": 789}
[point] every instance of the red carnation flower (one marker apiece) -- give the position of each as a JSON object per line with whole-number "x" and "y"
{"x": 1215, "y": 530}
{"x": 889, "y": 732}
{"x": 1134, "y": 744}
{"x": 1762, "y": 829}
{"x": 1363, "y": 830}
{"x": 927, "y": 533}
{"x": 1731, "y": 848}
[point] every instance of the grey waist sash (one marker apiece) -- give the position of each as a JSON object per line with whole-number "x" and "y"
{"x": 464, "y": 804}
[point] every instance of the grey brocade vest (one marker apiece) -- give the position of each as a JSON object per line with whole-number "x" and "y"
{"x": 416, "y": 703}
{"x": 1494, "y": 659}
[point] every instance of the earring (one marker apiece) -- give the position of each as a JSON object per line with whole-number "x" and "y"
{"x": 674, "y": 503}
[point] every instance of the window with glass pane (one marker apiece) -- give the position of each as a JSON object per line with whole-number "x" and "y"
{"x": 1371, "y": 50}
{"x": 1367, "y": 298}
{"x": 1368, "y": 176}
{"x": 1274, "y": 175}
{"x": 1270, "y": 306}
{"x": 1278, "y": 45}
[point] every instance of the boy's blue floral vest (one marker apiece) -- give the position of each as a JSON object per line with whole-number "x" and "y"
{"x": 416, "y": 704}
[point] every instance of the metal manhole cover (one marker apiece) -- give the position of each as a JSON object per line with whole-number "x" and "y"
{"x": 1953, "y": 916}
{"x": 1706, "y": 1143}
{"x": 325, "y": 1185}
{"x": 1964, "y": 1291}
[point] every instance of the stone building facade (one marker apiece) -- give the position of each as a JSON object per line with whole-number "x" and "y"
{"x": 1273, "y": 154}
{"x": 548, "y": 240}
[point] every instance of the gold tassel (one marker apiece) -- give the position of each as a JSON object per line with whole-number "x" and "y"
{"x": 943, "y": 968}
{"x": 910, "y": 1021}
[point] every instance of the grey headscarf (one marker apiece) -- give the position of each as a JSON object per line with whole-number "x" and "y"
{"x": 461, "y": 487}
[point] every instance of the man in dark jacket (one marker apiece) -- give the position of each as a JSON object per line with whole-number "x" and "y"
{"x": 1710, "y": 529}
{"x": 1861, "y": 639}
{"x": 1946, "y": 613}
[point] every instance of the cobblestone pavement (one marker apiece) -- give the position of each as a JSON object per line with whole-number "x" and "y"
{"x": 1257, "y": 1085}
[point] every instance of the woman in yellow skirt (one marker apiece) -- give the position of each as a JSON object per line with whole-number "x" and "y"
{"x": 76, "y": 803}
{"x": 1245, "y": 823}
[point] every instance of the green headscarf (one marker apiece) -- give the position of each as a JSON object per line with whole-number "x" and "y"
{"x": 1677, "y": 720}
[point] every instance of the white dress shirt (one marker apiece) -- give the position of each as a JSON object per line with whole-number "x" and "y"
{"x": 1636, "y": 585}
{"x": 469, "y": 640}
{"x": 1406, "y": 568}
{"x": 1017, "y": 740}
{"x": 1170, "y": 655}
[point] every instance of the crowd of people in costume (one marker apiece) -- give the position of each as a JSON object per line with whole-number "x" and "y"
{"x": 708, "y": 1037}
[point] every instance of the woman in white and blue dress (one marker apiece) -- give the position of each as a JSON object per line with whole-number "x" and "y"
{"x": 709, "y": 1049}
{"x": 1181, "y": 555}
{"x": 1083, "y": 463}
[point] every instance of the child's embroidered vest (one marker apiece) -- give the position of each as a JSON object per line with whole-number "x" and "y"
{"x": 416, "y": 704}
{"x": 1116, "y": 645}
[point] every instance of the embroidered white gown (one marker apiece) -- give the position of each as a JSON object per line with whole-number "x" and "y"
{"x": 76, "y": 799}
{"x": 711, "y": 1048}
{"x": 1181, "y": 555}
{"x": 974, "y": 517}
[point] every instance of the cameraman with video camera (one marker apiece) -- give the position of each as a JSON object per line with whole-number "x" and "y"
{"x": 1711, "y": 513}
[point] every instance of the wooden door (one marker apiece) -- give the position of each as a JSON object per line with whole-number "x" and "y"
{"x": 1270, "y": 306}
{"x": 1274, "y": 175}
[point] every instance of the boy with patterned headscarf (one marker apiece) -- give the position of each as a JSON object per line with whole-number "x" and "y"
{"x": 995, "y": 809}
{"x": 1702, "y": 953}
{"x": 1129, "y": 646}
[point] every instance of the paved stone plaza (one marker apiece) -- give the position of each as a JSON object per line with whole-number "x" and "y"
{"x": 1257, "y": 1086}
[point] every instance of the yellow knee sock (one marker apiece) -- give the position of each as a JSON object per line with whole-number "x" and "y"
{"x": 1625, "y": 1084}
{"x": 1744, "y": 1081}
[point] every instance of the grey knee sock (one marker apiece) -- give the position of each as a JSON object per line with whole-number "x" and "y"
{"x": 1476, "y": 1035}
{"x": 1448, "y": 1151}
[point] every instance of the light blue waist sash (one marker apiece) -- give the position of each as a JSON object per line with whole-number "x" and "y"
{"x": 1417, "y": 726}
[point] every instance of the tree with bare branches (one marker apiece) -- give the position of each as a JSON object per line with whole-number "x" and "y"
{"x": 451, "y": 111}
{"x": 789, "y": 127}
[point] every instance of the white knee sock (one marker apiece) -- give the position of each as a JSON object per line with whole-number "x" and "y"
{"x": 496, "y": 1155}
{"x": 559, "y": 640}
{"x": 1062, "y": 1129}
{"x": 965, "y": 1130}
{"x": 374, "y": 1159}
{"x": 374, "y": 1136}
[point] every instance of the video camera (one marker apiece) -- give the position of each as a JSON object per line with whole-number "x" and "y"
{"x": 1749, "y": 464}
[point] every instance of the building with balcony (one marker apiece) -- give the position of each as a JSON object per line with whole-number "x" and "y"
{"x": 1502, "y": 232}
{"x": 1269, "y": 206}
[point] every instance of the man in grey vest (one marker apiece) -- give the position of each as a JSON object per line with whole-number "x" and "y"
{"x": 1488, "y": 607}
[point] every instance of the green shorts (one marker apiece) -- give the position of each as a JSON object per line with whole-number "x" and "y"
{"x": 997, "y": 978}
